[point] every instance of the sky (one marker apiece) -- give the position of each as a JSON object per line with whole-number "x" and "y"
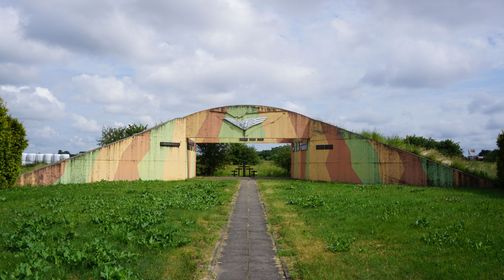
{"x": 430, "y": 68}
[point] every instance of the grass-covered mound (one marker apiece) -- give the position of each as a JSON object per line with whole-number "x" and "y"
{"x": 446, "y": 151}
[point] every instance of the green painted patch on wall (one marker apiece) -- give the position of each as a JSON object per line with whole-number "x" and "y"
{"x": 229, "y": 130}
{"x": 152, "y": 165}
{"x": 78, "y": 169}
{"x": 365, "y": 160}
{"x": 437, "y": 174}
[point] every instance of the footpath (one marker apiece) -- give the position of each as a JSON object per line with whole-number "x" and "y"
{"x": 247, "y": 252}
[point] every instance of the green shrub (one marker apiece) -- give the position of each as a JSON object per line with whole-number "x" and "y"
{"x": 489, "y": 156}
{"x": 282, "y": 157}
{"x": 13, "y": 142}
{"x": 500, "y": 159}
{"x": 446, "y": 147}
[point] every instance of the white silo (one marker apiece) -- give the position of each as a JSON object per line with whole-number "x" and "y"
{"x": 55, "y": 158}
{"x": 30, "y": 158}
{"x": 65, "y": 156}
{"x": 47, "y": 158}
{"x": 39, "y": 158}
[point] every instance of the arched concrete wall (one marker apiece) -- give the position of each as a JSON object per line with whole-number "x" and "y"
{"x": 321, "y": 152}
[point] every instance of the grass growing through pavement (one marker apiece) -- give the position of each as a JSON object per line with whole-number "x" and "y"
{"x": 112, "y": 230}
{"x": 336, "y": 231}
{"x": 265, "y": 168}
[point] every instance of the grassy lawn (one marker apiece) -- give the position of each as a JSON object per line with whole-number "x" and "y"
{"x": 265, "y": 168}
{"x": 337, "y": 231}
{"x": 112, "y": 230}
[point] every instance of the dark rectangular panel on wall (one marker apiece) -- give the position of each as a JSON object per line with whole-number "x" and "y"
{"x": 324, "y": 147}
{"x": 169, "y": 144}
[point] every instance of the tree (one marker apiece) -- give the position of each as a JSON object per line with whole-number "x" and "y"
{"x": 500, "y": 159}
{"x": 112, "y": 134}
{"x": 265, "y": 154}
{"x": 449, "y": 148}
{"x": 13, "y": 139}
{"x": 240, "y": 153}
{"x": 211, "y": 157}
{"x": 490, "y": 156}
{"x": 282, "y": 157}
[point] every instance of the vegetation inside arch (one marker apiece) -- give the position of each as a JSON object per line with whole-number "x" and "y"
{"x": 226, "y": 159}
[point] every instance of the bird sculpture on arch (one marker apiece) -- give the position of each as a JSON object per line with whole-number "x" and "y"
{"x": 320, "y": 152}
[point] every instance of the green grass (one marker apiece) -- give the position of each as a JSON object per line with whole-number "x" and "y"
{"x": 112, "y": 230}
{"x": 337, "y": 231}
{"x": 265, "y": 168}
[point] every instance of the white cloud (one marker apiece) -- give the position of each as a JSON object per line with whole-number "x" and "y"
{"x": 205, "y": 73}
{"x": 84, "y": 124}
{"x": 45, "y": 132}
{"x": 118, "y": 95}
{"x": 16, "y": 47}
{"x": 400, "y": 68}
{"x": 12, "y": 73}
{"x": 32, "y": 103}
{"x": 292, "y": 106}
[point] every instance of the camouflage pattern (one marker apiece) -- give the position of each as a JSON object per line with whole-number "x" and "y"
{"x": 351, "y": 158}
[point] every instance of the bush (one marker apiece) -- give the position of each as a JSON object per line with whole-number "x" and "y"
{"x": 421, "y": 141}
{"x": 282, "y": 157}
{"x": 489, "y": 156}
{"x": 446, "y": 147}
{"x": 449, "y": 148}
{"x": 500, "y": 159}
{"x": 13, "y": 139}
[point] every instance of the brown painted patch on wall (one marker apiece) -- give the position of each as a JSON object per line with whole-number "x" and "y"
{"x": 461, "y": 179}
{"x": 45, "y": 176}
{"x": 339, "y": 160}
{"x": 414, "y": 173}
{"x": 301, "y": 125}
{"x": 211, "y": 126}
{"x": 391, "y": 166}
{"x": 127, "y": 168}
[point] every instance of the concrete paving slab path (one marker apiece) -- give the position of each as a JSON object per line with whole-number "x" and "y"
{"x": 248, "y": 248}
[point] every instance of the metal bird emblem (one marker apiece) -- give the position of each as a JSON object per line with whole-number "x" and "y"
{"x": 245, "y": 123}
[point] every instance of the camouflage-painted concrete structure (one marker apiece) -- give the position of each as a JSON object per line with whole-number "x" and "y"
{"x": 320, "y": 151}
